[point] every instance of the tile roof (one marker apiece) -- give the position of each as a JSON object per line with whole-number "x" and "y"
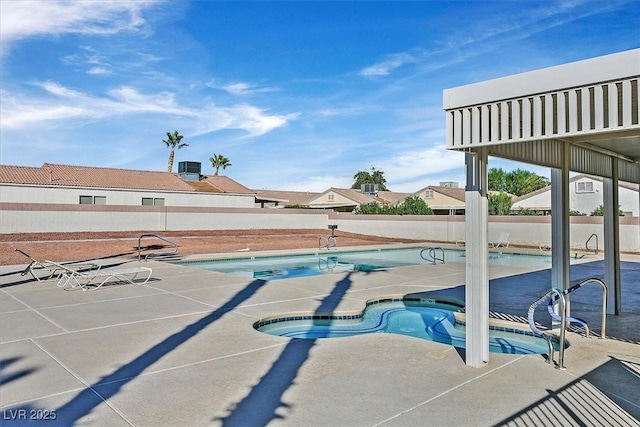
{"x": 290, "y": 198}
{"x": 203, "y": 187}
{"x": 454, "y": 193}
{"x": 226, "y": 185}
{"x": 383, "y": 197}
{"x": 392, "y": 196}
{"x": 50, "y": 174}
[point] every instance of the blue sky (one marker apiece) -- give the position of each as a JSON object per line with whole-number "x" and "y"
{"x": 298, "y": 95}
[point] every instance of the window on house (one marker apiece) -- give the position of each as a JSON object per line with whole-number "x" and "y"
{"x": 330, "y": 197}
{"x": 151, "y": 201}
{"x": 93, "y": 200}
{"x": 428, "y": 194}
{"x": 584, "y": 187}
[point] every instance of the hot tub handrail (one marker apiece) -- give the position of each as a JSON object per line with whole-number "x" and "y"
{"x": 563, "y": 324}
{"x": 174, "y": 244}
{"x": 603, "y": 333}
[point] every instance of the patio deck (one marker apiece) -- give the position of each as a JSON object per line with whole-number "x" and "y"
{"x": 181, "y": 351}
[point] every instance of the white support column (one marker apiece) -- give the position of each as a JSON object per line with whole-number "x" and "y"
{"x": 477, "y": 271}
{"x": 612, "y": 240}
{"x": 560, "y": 236}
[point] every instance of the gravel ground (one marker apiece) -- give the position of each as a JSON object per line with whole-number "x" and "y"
{"x": 104, "y": 245}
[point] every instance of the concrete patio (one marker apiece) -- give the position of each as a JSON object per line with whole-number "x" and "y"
{"x": 181, "y": 351}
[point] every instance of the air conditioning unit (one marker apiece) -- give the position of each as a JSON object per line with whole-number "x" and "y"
{"x": 190, "y": 167}
{"x": 370, "y": 189}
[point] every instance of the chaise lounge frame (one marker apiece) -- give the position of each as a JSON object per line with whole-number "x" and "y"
{"x": 52, "y": 268}
{"x": 92, "y": 280}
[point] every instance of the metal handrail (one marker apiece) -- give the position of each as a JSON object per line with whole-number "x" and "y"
{"x": 175, "y": 246}
{"x": 328, "y": 263}
{"x": 586, "y": 245}
{"x": 433, "y": 256}
{"x": 603, "y": 333}
{"x": 563, "y": 325}
{"x": 555, "y": 295}
{"x": 330, "y": 242}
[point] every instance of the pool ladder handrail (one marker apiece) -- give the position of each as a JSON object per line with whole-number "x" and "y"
{"x": 586, "y": 244}
{"x": 174, "y": 244}
{"x": 328, "y": 263}
{"x": 329, "y": 242}
{"x": 433, "y": 255}
{"x": 556, "y": 295}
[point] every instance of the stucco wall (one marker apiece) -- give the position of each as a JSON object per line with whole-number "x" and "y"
{"x": 70, "y": 195}
{"x": 34, "y": 218}
{"x": 524, "y": 230}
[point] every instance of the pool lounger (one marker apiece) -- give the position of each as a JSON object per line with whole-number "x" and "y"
{"x": 51, "y": 268}
{"x": 95, "y": 279}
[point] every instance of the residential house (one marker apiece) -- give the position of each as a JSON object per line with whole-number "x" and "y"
{"x": 443, "y": 200}
{"x": 347, "y": 199}
{"x": 67, "y": 184}
{"x": 585, "y": 196}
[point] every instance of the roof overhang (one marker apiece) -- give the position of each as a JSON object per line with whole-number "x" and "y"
{"x": 590, "y": 105}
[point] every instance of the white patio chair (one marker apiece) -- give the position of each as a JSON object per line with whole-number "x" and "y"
{"x": 503, "y": 240}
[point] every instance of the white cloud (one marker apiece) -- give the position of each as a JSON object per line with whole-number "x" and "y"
{"x": 386, "y": 66}
{"x": 24, "y": 19}
{"x": 246, "y": 89}
{"x": 410, "y": 165}
{"x": 98, "y": 70}
{"x": 60, "y": 103}
{"x": 241, "y": 88}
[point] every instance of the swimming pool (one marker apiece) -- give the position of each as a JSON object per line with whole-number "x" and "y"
{"x": 291, "y": 266}
{"x": 422, "y": 318}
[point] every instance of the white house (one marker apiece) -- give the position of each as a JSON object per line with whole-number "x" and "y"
{"x": 65, "y": 184}
{"x": 347, "y": 199}
{"x": 585, "y": 195}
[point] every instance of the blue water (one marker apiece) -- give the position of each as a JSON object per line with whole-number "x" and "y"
{"x": 433, "y": 323}
{"x": 291, "y": 266}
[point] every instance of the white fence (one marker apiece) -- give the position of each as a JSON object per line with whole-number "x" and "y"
{"x": 524, "y": 230}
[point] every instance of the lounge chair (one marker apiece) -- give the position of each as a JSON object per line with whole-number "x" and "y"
{"x": 503, "y": 240}
{"x": 53, "y": 269}
{"x": 545, "y": 246}
{"x": 93, "y": 279}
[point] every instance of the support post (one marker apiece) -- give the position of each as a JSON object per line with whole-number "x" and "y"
{"x": 560, "y": 227}
{"x": 612, "y": 240}
{"x": 477, "y": 276}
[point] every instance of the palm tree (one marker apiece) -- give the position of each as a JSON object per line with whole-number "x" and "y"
{"x": 219, "y": 161}
{"x": 173, "y": 141}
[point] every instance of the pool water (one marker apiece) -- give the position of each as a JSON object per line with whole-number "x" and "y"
{"x": 433, "y": 322}
{"x": 291, "y": 266}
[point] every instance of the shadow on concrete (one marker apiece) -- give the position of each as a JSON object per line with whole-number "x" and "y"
{"x": 510, "y": 298}
{"x": 261, "y": 405}
{"x": 584, "y": 399}
{"x": 7, "y": 378}
{"x": 89, "y": 398}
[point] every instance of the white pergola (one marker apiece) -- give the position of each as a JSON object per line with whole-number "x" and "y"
{"x": 580, "y": 117}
